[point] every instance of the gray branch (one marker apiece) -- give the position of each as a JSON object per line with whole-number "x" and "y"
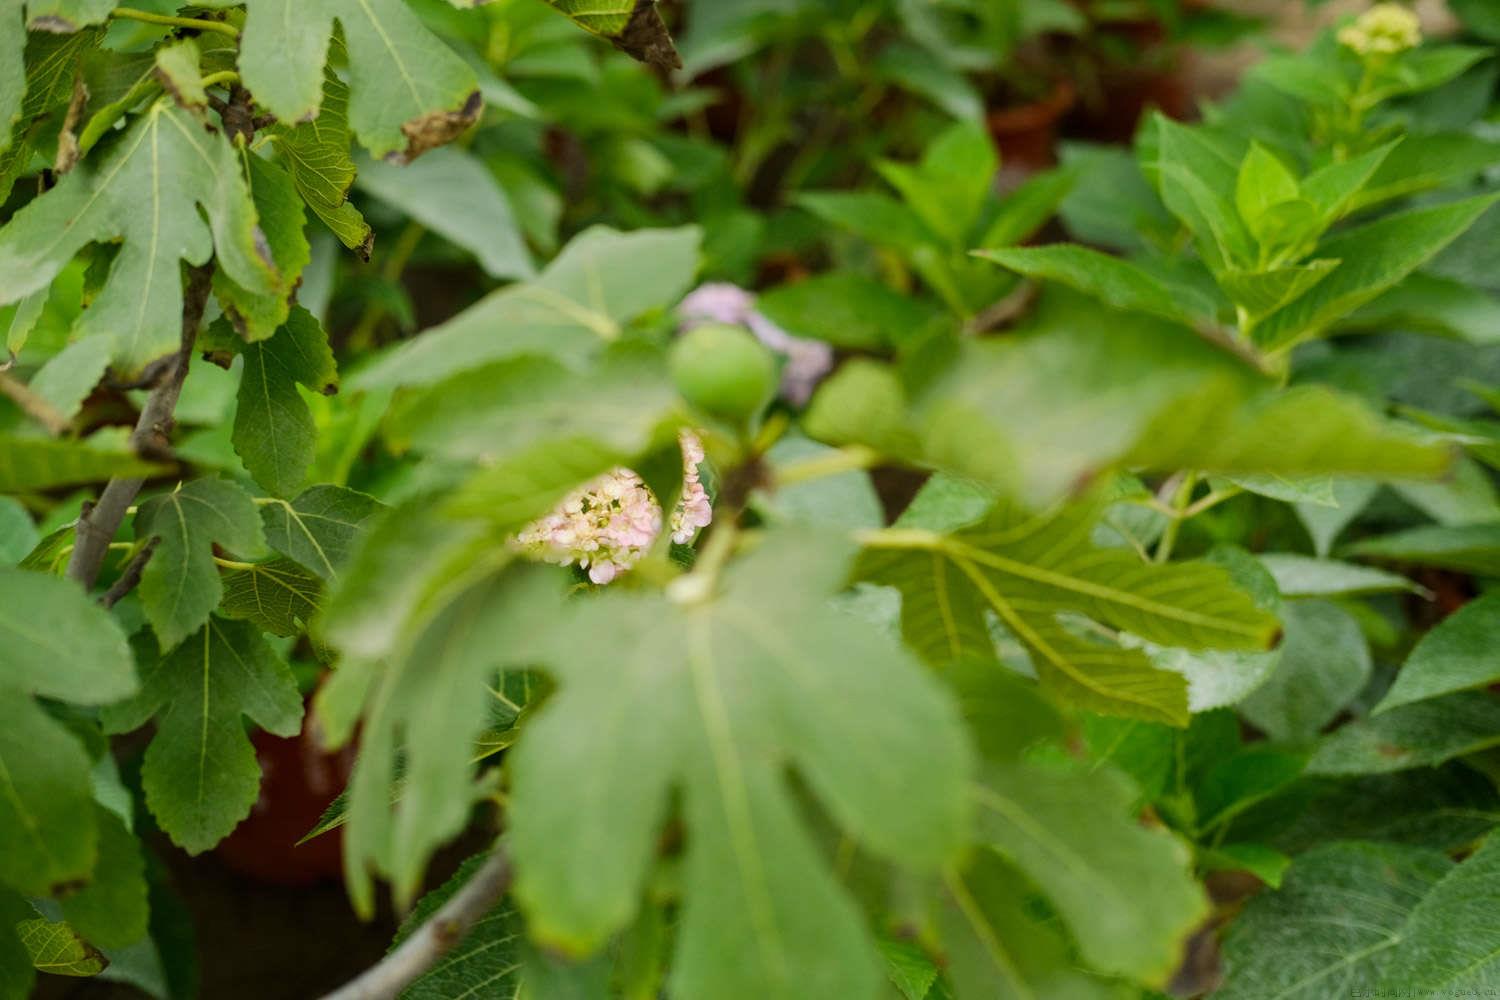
{"x": 97, "y": 525}
{"x": 434, "y": 939}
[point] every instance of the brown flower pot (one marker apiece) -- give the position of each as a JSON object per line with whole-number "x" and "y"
{"x": 1026, "y": 134}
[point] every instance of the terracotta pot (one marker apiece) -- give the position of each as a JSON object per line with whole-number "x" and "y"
{"x": 1026, "y": 134}
{"x": 298, "y": 781}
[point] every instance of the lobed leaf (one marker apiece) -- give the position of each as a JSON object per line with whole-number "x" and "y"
{"x": 200, "y": 774}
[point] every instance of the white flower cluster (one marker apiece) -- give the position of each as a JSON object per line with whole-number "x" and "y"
{"x": 1383, "y": 30}
{"x": 606, "y": 525}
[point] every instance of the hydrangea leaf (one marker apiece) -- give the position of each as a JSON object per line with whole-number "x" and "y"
{"x": 634, "y": 27}
{"x": 602, "y": 280}
{"x": 1027, "y": 570}
{"x": 147, "y": 191}
{"x": 1462, "y": 652}
{"x": 1375, "y": 257}
{"x": 737, "y": 686}
{"x": 180, "y": 586}
{"x": 1419, "y": 734}
{"x": 47, "y": 832}
{"x": 409, "y": 92}
{"x": 1450, "y": 943}
{"x": 274, "y": 433}
{"x": 200, "y": 773}
{"x": 320, "y": 527}
{"x": 1338, "y": 917}
{"x": 1325, "y": 662}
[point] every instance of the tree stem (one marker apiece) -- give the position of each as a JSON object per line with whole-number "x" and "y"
{"x": 197, "y": 24}
{"x": 97, "y": 525}
{"x": 434, "y": 939}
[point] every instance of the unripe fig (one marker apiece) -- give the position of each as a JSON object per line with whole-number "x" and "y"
{"x": 724, "y": 371}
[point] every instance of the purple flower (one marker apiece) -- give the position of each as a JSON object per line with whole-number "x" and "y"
{"x": 806, "y": 361}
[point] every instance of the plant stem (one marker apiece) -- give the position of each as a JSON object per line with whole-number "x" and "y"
{"x": 32, "y": 405}
{"x": 198, "y": 24}
{"x": 232, "y": 564}
{"x": 130, "y": 576}
{"x": 850, "y": 459}
{"x": 97, "y": 525}
{"x": 434, "y": 939}
{"x": 1180, "y": 503}
{"x": 221, "y": 77}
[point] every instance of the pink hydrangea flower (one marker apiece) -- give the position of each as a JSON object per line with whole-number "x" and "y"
{"x": 807, "y": 361}
{"x": 606, "y": 525}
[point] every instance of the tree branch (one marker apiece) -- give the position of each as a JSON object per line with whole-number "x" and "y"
{"x": 434, "y": 939}
{"x": 130, "y": 577}
{"x": 32, "y": 405}
{"x": 97, "y": 525}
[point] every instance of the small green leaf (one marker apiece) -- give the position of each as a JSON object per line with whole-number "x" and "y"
{"x": 278, "y": 596}
{"x": 409, "y": 91}
{"x": 1418, "y": 734}
{"x": 57, "y": 949}
{"x": 1463, "y": 652}
{"x": 1302, "y": 576}
{"x": 180, "y": 586}
{"x": 178, "y": 70}
{"x": 320, "y": 528}
{"x": 1375, "y": 257}
{"x": 200, "y": 773}
{"x": 1449, "y": 943}
{"x": 949, "y": 187}
{"x": 1331, "y": 927}
{"x": 1325, "y": 663}
{"x": 634, "y": 26}
{"x": 1264, "y": 183}
{"x": 1467, "y": 548}
{"x": 316, "y": 154}
{"x": 1116, "y": 282}
{"x": 274, "y": 433}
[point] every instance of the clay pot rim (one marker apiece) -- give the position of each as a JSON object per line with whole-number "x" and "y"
{"x": 1016, "y": 118}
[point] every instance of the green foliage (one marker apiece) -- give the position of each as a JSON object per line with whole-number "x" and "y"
{"x": 180, "y": 586}
{"x": 200, "y": 774}
{"x": 962, "y": 566}
{"x": 730, "y": 705}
